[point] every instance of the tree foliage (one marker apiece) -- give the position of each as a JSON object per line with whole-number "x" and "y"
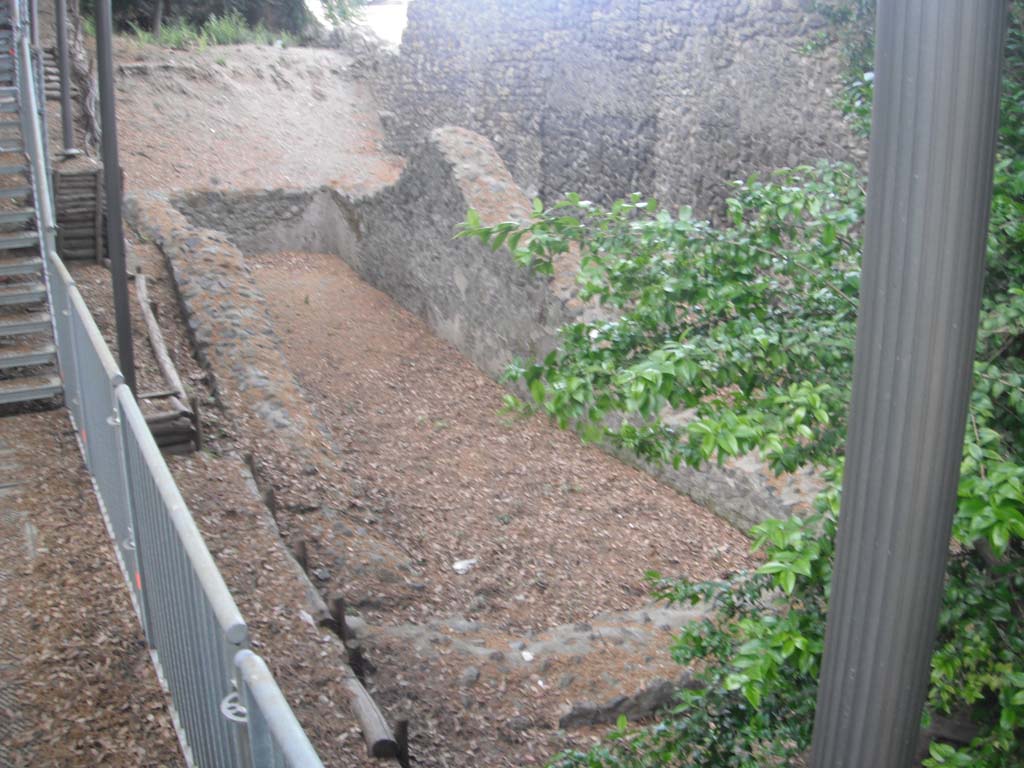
{"x": 291, "y": 16}
{"x": 749, "y": 330}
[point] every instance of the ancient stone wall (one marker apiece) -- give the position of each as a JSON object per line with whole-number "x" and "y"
{"x": 607, "y": 97}
{"x": 400, "y": 240}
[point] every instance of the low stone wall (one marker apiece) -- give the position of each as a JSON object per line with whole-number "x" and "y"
{"x": 400, "y": 240}
{"x": 609, "y": 97}
{"x": 235, "y": 341}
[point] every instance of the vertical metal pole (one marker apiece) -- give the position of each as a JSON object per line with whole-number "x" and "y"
{"x": 64, "y": 63}
{"x": 936, "y": 111}
{"x": 112, "y": 191}
{"x": 33, "y": 11}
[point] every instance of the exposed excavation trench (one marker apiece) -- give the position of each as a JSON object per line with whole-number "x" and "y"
{"x": 559, "y": 531}
{"x": 493, "y": 565}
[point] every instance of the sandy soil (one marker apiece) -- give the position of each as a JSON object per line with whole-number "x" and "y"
{"x": 246, "y": 116}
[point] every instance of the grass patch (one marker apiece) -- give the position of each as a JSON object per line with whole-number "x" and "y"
{"x": 229, "y": 29}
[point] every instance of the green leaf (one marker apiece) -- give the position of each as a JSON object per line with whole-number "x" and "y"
{"x": 538, "y": 391}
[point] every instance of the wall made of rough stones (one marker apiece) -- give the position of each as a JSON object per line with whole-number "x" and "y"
{"x": 235, "y": 341}
{"x": 400, "y": 240}
{"x": 608, "y": 97}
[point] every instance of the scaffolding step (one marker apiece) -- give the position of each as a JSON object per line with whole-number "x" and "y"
{"x": 22, "y": 215}
{"x": 26, "y": 355}
{"x": 8, "y": 170}
{"x": 21, "y": 266}
{"x": 31, "y": 388}
{"x": 15, "y": 191}
{"x": 30, "y": 322}
{"x": 16, "y": 294}
{"x": 12, "y": 242}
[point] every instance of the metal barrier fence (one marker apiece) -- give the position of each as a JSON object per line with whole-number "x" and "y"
{"x": 227, "y": 708}
{"x": 270, "y": 741}
{"x": 188, "y": 613}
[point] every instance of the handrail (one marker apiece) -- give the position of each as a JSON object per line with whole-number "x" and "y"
{"x": 260, "y": 689}
{"x": 45, "y": 218}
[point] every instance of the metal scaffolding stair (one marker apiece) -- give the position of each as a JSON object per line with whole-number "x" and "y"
{"x": 28, "y": 357}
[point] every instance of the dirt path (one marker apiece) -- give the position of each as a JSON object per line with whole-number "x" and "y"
{"x": 559, "y": 531}
{"x": 73, "y": 664}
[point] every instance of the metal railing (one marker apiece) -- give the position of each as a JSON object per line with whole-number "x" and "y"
{"x": 271, "y": 744}
{"x": 228, "y": 711}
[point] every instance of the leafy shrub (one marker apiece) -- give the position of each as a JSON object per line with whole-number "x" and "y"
{"x": 176, "y": 33}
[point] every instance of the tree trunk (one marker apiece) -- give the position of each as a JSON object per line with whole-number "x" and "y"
{"x": 158, "y": 17}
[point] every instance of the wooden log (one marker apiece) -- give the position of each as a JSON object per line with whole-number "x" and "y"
{"x": 78, "y": 197}
{"x": 169, "y": 438}
{"x": 197, "y": 422}
{"x": 402, "y": 739}
{"x": 380, "y": 742}
{"x": 162, "y": 417}
{"x": 180, "y": 426}
{"x": 178, "y": 448}
{"x": 156, "y": 339}
{"x": 157, "y": 395}
{"x": 338, "y": 613}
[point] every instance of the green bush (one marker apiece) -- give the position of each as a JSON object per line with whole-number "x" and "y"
{"x": 176, "y": 33}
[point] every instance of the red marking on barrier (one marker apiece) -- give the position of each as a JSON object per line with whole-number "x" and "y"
{"x": 138, "y": 581}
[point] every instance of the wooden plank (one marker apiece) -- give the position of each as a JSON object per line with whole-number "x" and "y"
{"x": 156, "y": 339}
{"x": 56, "y": 196}
{"x": 99, "y": 218}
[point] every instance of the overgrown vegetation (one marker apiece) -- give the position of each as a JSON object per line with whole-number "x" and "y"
{"x": 230, "y": 29}
{"x": 752, "y": 326}
{"x": 188, "y": 23}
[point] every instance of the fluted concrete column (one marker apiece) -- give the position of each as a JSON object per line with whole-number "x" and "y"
{"x": 936, "y": 111}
